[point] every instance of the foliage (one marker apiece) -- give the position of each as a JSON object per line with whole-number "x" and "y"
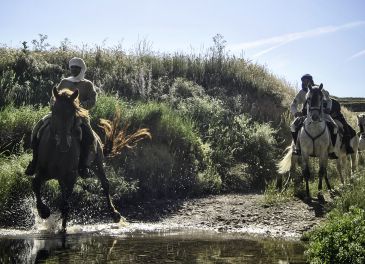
{"x": 16, "y": 126}
{"x": 215, "y": 119}
{"x": 340, "y": 240}
{"x": 243, "y": 141}
{"x": 173, "y": 162}
{"x": 12, "y": 180}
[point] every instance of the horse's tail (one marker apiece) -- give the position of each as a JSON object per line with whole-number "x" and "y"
{"x": 285, "y": 164}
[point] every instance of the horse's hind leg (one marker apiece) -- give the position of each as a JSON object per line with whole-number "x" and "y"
{"x": 354, "y": 162}
{"x": 42, "y": 209}
{"x": 105, "y": 185}
{"x": 339, "y": 162}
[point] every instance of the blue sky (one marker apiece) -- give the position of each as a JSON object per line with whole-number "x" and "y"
{"x": 322, "y": 37}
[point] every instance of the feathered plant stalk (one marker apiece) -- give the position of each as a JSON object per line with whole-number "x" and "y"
{"x": 117, "y": 138}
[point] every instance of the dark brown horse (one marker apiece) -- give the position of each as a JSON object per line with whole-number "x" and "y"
{"x": 59, "y": 151}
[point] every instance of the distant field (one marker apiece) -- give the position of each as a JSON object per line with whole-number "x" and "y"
{"x": 355, "y": 104}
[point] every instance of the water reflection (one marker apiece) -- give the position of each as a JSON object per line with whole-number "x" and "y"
{"x": 148, "y": 248}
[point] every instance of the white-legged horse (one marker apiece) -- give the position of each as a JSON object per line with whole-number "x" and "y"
{"x": 315, "y": 141}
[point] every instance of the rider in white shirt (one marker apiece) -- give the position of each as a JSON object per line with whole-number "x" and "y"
{"x": 300, "y": 100}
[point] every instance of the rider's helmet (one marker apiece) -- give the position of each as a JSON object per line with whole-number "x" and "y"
{"x": 307, "y": 77}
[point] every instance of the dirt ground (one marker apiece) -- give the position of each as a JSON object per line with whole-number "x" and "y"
{"x": 240, "y": 213}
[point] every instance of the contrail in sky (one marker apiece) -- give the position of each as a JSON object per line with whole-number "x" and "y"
{"x": 359, "y": 54}
{"x": 278, "y": 41}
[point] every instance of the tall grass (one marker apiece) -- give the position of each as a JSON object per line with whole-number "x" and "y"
{"x": 16, "y": 124}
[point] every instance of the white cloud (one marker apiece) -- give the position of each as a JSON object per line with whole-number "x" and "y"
{"x": 278, "y": 41}
{"x": 356, "y": 55}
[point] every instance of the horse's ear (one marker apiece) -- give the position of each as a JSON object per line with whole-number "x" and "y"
{"x": 74, "y": 95}
{"x": 55, "y": 93}
{"x": 321, "y": 86}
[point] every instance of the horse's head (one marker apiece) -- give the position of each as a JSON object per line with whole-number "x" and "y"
{"x": 63, "y": 117}
{"x": 314, "y": 101}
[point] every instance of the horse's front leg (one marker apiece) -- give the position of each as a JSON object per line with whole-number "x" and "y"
{"x": 66, "y": 191}
{"x": 42, "y": 209}
{"x": 306, "y": 176}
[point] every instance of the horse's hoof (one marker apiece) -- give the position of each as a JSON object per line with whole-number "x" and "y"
{"x": 300, "y": 194}
{"x": 43, "y": 211}
{"x": 321, "y": 198}
{"x": 116, "y": 216}
{"x": 307, "y": 199}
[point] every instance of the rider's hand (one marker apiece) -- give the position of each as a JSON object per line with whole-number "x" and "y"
{"x": 327, "y": 111}
{"x": 298, "y": 114}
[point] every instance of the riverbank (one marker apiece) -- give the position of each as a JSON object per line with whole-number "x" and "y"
{"x": 239, "y": 213}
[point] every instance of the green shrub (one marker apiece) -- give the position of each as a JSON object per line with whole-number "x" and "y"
{"x": 340, "y": 240}
{"x": 12, "y": 179}
{"x": 237, "y": 141}
{"x": 169, "y": 164}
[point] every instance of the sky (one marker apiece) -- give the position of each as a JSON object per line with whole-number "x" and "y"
{"x": 325, "y": 38}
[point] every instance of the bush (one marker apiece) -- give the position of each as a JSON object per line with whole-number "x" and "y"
{"x": 244, "y": 152}
{"x": 173, "y": 163}
{"x": 340, "y": 240}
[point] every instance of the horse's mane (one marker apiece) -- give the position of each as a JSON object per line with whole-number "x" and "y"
{"x": 80, "y": 111}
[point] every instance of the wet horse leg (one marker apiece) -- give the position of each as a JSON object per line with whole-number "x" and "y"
{"x": 42, "y": 209}
{"x": 105, "y": 185}
{"x": 66, "y": 190}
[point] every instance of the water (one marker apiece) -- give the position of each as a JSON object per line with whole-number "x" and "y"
{"x": 141, "y": 243}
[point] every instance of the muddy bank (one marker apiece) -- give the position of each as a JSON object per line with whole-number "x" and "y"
{"x": 233, "y": 213}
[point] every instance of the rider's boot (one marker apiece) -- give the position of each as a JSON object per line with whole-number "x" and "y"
{"x": 85, "y": 149}
{"x": 296, "y": 150}
{"x": 332, "y": 154}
